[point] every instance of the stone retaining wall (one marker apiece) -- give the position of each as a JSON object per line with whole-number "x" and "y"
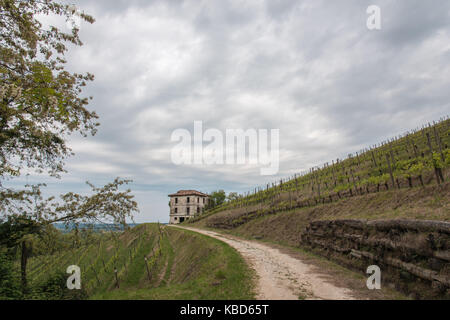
{"x": 414, "y": 255}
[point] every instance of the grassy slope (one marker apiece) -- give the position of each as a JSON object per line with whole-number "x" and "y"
{"x": 271, "y": 223}
{"x": 364, "y": 173}
{"x": 359, "y": 192}
{"x": 429, "y": 203}
{"x": 188, "y": 266}
{"x": 283, "y": 229}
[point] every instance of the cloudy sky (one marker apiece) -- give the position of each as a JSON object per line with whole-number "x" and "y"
{"x": 311, "y": 69}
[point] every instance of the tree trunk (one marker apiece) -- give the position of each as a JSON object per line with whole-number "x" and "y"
{"x": 421, "y": 180}
{"x": 23, "y": 266}
{"x": 440, "y": 174}
{"x": 390, "y": 172}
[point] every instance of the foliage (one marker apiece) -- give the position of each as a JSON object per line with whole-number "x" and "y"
{"x": 55, "y": 288}
{"x": 107, "y": 203}
{"x": 216, "y": 198}
{"x": 410, "y": 168}
{"x": 14, "y": 228}
{"x": 9, "y": 277}
{"x": 437, "y": 161}
{"x": 40, "y": 101}
{"x": 232, "y": 196}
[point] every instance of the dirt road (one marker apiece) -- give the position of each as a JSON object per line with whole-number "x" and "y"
{"x": 281, "y": 276}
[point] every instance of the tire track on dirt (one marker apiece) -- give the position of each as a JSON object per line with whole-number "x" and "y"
{"x": 281, "y": 276}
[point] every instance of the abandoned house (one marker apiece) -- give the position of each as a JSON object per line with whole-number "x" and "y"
{"x": 186, "y": 204}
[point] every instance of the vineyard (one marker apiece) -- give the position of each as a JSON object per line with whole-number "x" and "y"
{"x": 417, "y": 158}
{"x": 150, "y": 261}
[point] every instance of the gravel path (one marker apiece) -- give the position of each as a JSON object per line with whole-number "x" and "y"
{"x": 280, "y": 276}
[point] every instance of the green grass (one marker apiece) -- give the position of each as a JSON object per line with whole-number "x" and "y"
{"x": 189, "y": 266}
{"x": 427, "y": 203}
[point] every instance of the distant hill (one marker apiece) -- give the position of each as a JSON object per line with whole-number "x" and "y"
{"x": 96, "y": 226}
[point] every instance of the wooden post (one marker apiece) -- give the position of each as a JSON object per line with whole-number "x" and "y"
{"x": 23, "y": 265}
{"x": 413, "y": 147}
{"x": 318, "y": 188}
{"x": 429, "y": 142}
{"x": 438, "y": 179}
{"x": 373, "y": 159}
{"x": 148, "y": 271}
{"x": 438, "y": 140}
{"x": 354, "y": 182}
{"x": 332, "y": 171}
{"x": 392, "y": 155}
{"x": 390, "y": 171}
{"x": 290, "y": 199}
{"x": 117, "y": 279}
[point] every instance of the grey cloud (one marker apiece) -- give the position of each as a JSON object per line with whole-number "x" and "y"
{"x": 309, "y": 68}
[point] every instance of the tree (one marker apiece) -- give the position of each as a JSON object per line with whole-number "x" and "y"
{"x": 216, "y": 198}
{"x": 232, "y": 196}
{"x": 105, "y": 204}
{"x": 40, "y": 102}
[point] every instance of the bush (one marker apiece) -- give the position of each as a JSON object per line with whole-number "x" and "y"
{"x": 55, "y": 288}
{"x": 10, "y": 288}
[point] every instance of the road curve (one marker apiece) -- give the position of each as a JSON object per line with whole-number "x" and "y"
{"x": 281, "y": 276}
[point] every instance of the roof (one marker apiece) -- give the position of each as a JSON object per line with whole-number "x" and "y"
{"x": 188, "y": 193}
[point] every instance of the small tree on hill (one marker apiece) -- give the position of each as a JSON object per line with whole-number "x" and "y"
{"x": 216, "y": 198}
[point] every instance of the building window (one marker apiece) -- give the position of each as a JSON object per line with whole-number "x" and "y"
{"x": 187, "y": 210}
{"x": 176, "y": 200}
{"x": 198, "y": 209}
{"x": 176, "y": 218}
{"x": 203, "y": 200}
{"x": 176, "y": 210}
{"x": 187, "y": 199}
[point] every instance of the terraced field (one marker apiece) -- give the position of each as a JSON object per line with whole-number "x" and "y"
{"x": 416, "y": 160}
{"x": 152, "y": 261}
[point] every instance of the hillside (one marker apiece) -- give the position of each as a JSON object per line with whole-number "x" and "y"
{"x": 388, "y": 205}
{"x": 286, "y": 226}
{"x": 405, "y": 166}
{"x": 180, "y": 265}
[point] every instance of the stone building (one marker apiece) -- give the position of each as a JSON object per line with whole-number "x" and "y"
{"x": 186, "y": 204}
